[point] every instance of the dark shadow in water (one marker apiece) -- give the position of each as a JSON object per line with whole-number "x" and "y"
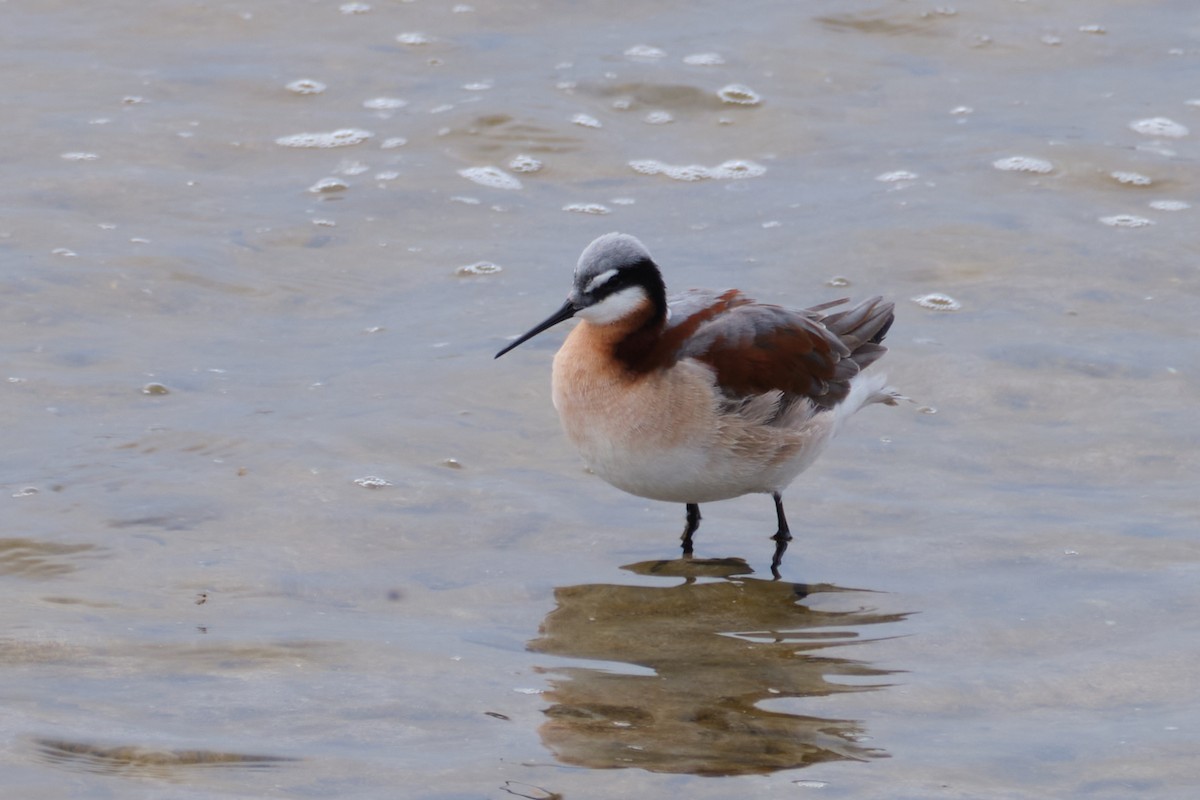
{"x": 719, "y": 644}
{"x": 144, "y": 762}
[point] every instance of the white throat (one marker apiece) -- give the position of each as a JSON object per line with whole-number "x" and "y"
{"x": 615, "y": 307}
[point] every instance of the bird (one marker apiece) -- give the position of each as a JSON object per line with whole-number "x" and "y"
{"x": 705, "y": 395}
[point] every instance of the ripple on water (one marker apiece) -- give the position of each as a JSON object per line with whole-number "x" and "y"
{"x": 1159, "y": 126}
{"x": 739, "y": 94}
{"x": 1038, "y": 166}
{"x": 343, "y": 137}
{"x": 937, "y": 301}
{"x": 490, "y": 176}
{"x": 734, "y": 169}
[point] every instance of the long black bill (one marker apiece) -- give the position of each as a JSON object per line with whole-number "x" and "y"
{"x": 566, "y": 312}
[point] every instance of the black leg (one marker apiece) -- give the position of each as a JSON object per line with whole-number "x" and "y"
{"x": 784, "y": 534}
{"x": 693, "y": 522}
{"x": 781, "y": 537}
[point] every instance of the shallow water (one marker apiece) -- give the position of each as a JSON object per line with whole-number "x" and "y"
{"x": 276, "y": 524}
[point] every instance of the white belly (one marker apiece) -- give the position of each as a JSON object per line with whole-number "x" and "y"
{"x": 663, "y": 437}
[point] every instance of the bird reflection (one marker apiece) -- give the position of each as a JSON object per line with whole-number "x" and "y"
{"x": 712, "y": 646}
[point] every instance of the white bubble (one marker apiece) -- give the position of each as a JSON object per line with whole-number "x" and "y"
{"x": 704, "y": 59}
{"x": 339, "y": 138}
{"x": 1131, "y": 178}
{"x": 1023, "y": 164}
{"x": 587, "y": 208}
{"x": 937, "y": 302}
{"x": 384, "y": 103}
{"x": 354, "y": 8}
{"x": 478, "y": 86}
{"x": 739, "y": 94}
{"x": 959, "y": 111}
{"x": 1052, "y": 39}
{"x": 659, "y": 118}
{"x": 623, "y": 201}
{"x": 1169, "y": 205}
{"x": 392, "y": 143}
{"x": 372, "y": 482}
{"x": 413, "y": 38}
{"x": 78, "y": 156}
{"x": 645, "y": 52}
{"x": 1096, "y": 29}
{"x": 387, "y": 175}
{"x": 729, "y": 170}
{"x": 586, "y": 121}
{"x": 329, "y": 185}
{"x": 1159, "y": 126}
{"x": 524, "y": 163}
{"x": 305, "y": 86}
{"x": 897, "y": 175}
{"x": 493, "y": 177}
{"x": 1126, "y": 221}
{"x": 479, "y": 268}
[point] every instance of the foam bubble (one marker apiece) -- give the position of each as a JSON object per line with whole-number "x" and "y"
{"x": 79, "y": 156}
{"x": 384, "y": 103}
{"x": 490, "y": 176}
{"x": 305, "y": 86}
{"x": 478, "y": 86}
{"x": 354, "y": 8}
{"x": 1038, "y": 166}
{"x": 524, "y": 163}
{"x": 730, "y": 170}
{"x": 587, "y": 121}
{"x": 739, "y": 94}
{"x": 372, "y": 482}
{"x": 645, "y": 52}
{"x": 413, "y": 38}
{"x": 1159, "y": 126}
{"x": 587, "y": 208}
{"x": 960, "y": 111}
{"x": 1126, "y": 221}
{"x": 339, "y": 138}
{"x": 479, "y": 268}
{"x": 937, "y": 302}
{"x": 1099, "y": 30}
{"x": 659, "y": 118}
{"x": 328, "y": 186}
{"x": 1131, "y": 178}
{"x": 704, "y": 59}
{"x": 897, "y": 175}
{"x": 1169, "y": 205}
{"x": 392, "y": 143}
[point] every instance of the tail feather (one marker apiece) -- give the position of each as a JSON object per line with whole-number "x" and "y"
{"x": 862, "y": 329}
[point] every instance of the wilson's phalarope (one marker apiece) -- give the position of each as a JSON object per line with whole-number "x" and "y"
{"x": 704, "y": 395}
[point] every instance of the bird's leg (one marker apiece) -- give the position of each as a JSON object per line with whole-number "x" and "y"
{"x": 782, "y": 537}
{"x": 783, "y": 534}
{"x": 693, "y": 522}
